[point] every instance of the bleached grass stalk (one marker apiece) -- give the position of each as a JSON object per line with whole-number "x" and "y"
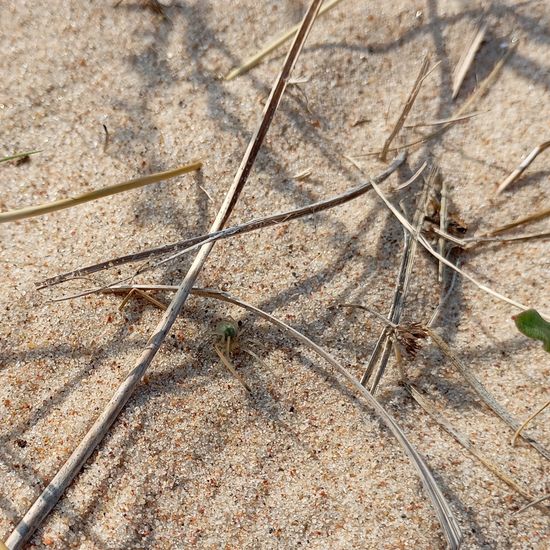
{"x": 472, "y": 242}
{"x": 443, "y": 214}
{"x": 39, "y": 210}
{"x": 524, "y": 425}
{"x": 534, "y": 503}
{"x": 540, "y": 215}
{"x": 466, "y": 106}
{"x": 252, "y": 225}
{"x": 52, "y": 493}
{"x": 421, "y": 239}
{"x": 465, "y": 441}
{"x": 406, "y": 107}
{"x": 384, "y": 343}
{"x": 442, "y": 121}
{"x": 273, "y": 45}
{"x": 522, "y": 166}
{"x": 467, "y": 58}
{"x": 483, "y": 393}
{"x": 444, "y": 513}
{"x": 414, "y": 177}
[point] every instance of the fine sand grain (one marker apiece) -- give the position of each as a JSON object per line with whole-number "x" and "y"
{"x": 192, "y": 461}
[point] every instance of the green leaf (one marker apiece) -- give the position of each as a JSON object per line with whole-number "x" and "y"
{"x": 534, "y": 326}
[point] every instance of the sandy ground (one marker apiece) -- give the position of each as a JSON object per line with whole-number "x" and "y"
{"x": 192, "y": 462}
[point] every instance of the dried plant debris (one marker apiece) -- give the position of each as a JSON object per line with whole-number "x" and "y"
{"x": 528, "y": 421}
{"x": 432, "y": 219}
{"x": 20, "y": 157}
{"x": 422, "y": 74}
{"x": 445, "y": 515}
{"x": 468, "y": 56}
{"x": 254, "y": 60}
{"x": 483, "y": 393}
{"x": 465, "y": 441}
{"x": 438, "y": 256}
{"x": 524, "y": 164}
{"x": 540, "y": 215}
{"x": 53, "y": 492}
{"x": 39, "y": 210}
{"x": 478, "y": 94}
{"x": 444, "y": 121}
{"x": 183, "y": 247}
{"x": 379, "y": 358}
{"x": 409, "y": 336}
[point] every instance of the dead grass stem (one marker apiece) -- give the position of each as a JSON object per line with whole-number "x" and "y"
{"x": 39, "y": 210}
{"x": 422, "y": 73}
{"x": 51, "y": 494}
{"x": 523, "y": 165}
{"x": 255, "y": 59}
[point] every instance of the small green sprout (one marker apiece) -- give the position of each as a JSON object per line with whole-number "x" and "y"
{"x": 227, "y": 330}
{"x": 531, "y": 324}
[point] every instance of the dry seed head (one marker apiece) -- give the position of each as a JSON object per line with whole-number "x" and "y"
{"x": 409, "y": 336}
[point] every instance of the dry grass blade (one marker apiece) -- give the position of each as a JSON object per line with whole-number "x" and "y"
{"x": 468, "y": 57}
{"x": 227, "y": 364}
{"x": 449, "y": 428}
{"x": 465, "y": 441}
{"x": 372, "y": 311}
{"x": 147, "y": 297}
{"x": 533, "y": 503}
{"x": 472, "y": 242}
{"x": 443, "y": 298}
{"x": 428, "y": 247}
{"x": 522, "y": 166}
{"x": 522, "y": 221}
{"x": 19, "y": 155}
{"x": 487, "y": 83}
{"x": 442, "y": 121}
{"x": 414, "y": 177}
{"x": 443, "y": 211}
{"x": 407, "y": 107}
{"x": 49, "y": 497}
{"x": 466, "y": 106}
{"x": 445, "y": 515}
{"x": 444, "y": 423}
{"x": 39, "y": 210}
{"x": 524, "y": 425}
{"x": 482, "y": 392}
{"x": 402, "y": 286}
{"x": 264, "y": 52}
{"x": 259, "y": 223}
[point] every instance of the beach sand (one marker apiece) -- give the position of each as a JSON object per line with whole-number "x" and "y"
{"x": 193, "y": 461}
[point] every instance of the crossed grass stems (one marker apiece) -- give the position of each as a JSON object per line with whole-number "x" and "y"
{"x": 403, "y": 339}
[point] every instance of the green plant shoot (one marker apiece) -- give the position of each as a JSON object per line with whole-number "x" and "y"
{"x": 531, "y": 324}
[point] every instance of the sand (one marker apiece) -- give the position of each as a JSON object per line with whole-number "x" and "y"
{"x": 192, "y": 462}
